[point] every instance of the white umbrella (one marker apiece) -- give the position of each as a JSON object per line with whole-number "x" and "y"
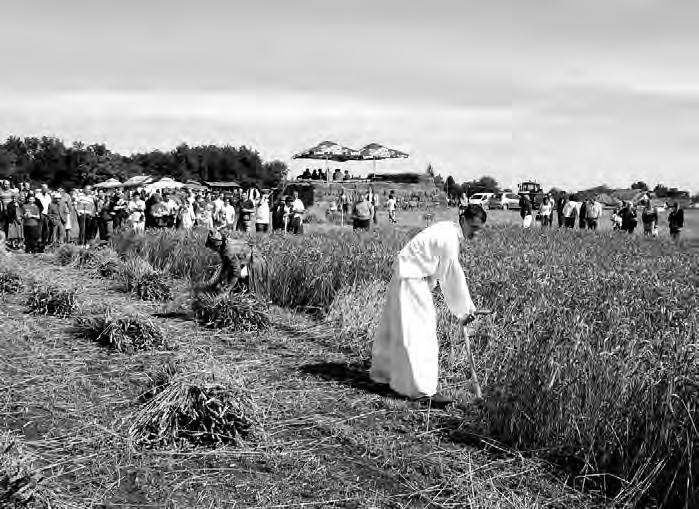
{"x": 164, "y": 183}
{"x": 138, "y": 180}
{"x": 108, "y": 184}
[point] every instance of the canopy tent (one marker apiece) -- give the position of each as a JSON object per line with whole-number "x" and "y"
{"x": 331, "y": 151}
{"x": 164, "y": 183}
{"x": 138, "y": 181}
{"x": 108, "y": 184}
{"x": 376, "y": 152}
{"x": 195, "y": 186}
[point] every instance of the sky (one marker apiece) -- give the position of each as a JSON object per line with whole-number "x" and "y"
{"x": 570, "y": 93}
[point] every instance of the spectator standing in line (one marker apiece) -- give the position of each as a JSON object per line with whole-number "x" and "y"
{"x": 56, "y": 220}
{"x": 86, "y": 209}
{"x": 570, "y": 210}
{"x": 15, "y": 229}
{"x": 31, "y": 219}
{"x": 136, "y": 208}
{"x": 361, "y": 214}
{"x": 594, "y": 212}
{"x": 373, "y": 200}
{"x": 227, "y": 215}
{"x": 560, "y": 204}
{"x": 5, "y": 200}
{"x": 186, "y": 215}
{"x": 391, "y": 207}
{"x": 247, "y": 209}
{"x": 525, "y": 211}
{"x": 262, "y": 214}
{"x": 545, "y": 211}
{"x": 649, "y": 217}
{"x": 582, "y": 214}
{"x": 44, "y": 198}
{"x": 675, "y": 221}
{"x": 628, "y": 218}
{"x": 297, "y": 211}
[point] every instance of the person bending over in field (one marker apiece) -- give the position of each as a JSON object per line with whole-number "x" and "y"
{"x": 405, "y": 348}
{"x": 233, "y": 273}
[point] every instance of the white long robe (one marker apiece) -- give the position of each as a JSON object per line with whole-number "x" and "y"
{"x": 405, "y": 349}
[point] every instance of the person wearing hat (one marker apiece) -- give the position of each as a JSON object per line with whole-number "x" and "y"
{"x": 232, "y": 273}
{"x": 405, "y": 351}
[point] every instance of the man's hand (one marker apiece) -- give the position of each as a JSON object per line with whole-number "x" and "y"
{"x": 467, "y": 318}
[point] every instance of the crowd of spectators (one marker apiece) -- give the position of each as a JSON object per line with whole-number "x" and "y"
{"x": 319, "y": 174}
{"x": 34, "y": 219}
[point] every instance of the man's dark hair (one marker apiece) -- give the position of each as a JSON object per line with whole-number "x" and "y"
{"x": 473, "y": 211}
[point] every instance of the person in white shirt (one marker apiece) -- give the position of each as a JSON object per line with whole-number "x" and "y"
{"x": 137, "y": 213}
{"x": 570, "y": 212}
{"x": 262, "y": 214}
{"x": 228, "y": 214}
{"x": 405, "y": 351}
{"x": 593, "y": 212}
{"x": 187, "y": 215}
{"x": 296, "y": 214}
{"x": 44, "y": 197}
{"x": 545, "y": 211}
{"x": 218, "y": 205}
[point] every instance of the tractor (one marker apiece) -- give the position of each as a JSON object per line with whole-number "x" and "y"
{"x": 533, "y": 190}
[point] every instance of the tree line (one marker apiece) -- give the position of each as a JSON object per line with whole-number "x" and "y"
{"x": 48, "y": 160}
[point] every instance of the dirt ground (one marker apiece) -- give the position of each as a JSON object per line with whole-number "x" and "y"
{"x": 328, "y": 437}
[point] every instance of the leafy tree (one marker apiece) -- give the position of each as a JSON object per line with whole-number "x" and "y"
{"x": 661, "y": 191}
{"x": 484, "y": 184}
{"x": 640, "y": 185}
{"x": 48, "y": 160}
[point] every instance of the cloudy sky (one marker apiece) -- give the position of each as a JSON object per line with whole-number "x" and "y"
{"x": 572, "y": 93}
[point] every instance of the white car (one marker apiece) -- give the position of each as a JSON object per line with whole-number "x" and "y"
{"x": 505, "y": 201}
{"x": 481, "y": 199}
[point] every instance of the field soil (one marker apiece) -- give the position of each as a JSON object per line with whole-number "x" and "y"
{"x": 327, "y": 436}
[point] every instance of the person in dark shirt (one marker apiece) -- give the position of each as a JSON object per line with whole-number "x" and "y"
{"x": 675, "y": 220}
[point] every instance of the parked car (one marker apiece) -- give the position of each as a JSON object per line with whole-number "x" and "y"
{"x": 504, "y": 201}
{"x": 481, "y": 199}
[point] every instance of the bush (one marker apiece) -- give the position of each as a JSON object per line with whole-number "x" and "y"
{"x": 48, "y": 299}
{"x": 127, "y": 333}
{"x": 237, "y": 311}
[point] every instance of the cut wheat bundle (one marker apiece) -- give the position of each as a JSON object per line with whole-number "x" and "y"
{"x": 231, "y": 310}
{"x": 127, "y": 333}
{"x": 139, "y": 277}
{"x": 11, "y": 280}
{"x": 49, "y": 299}
{"x": 188, "y": 409}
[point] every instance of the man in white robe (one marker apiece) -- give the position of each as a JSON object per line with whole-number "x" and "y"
{"x": 405, "y": 349}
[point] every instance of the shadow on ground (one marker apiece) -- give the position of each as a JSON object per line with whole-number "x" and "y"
{"x": 355, "y": 375}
